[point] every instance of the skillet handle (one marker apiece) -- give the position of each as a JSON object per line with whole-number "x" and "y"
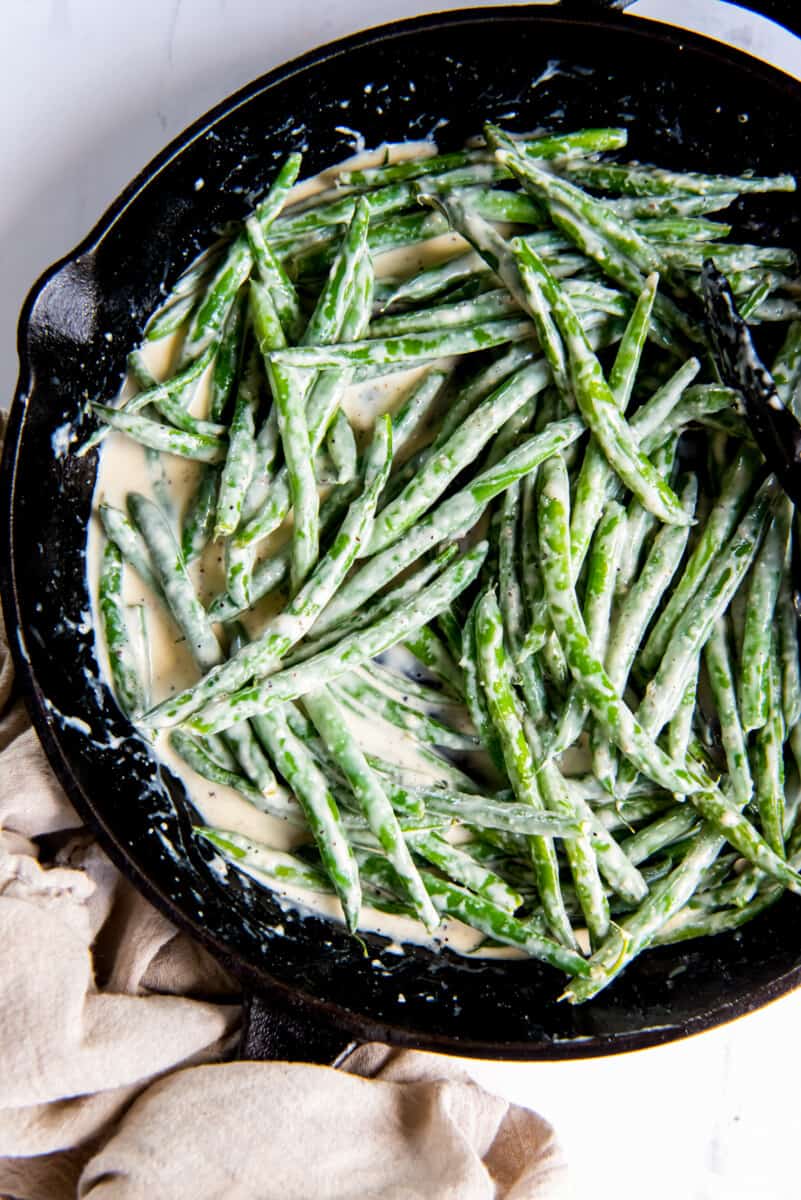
{"x": 269, "y": 1033}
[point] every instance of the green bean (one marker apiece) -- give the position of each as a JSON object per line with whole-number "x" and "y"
{"x": 462, "y": 869}
{"x": 165, "y": 438}
{"x": 634, "y": 617}
{"x": 293, "y": 760}
{"x": 725, "y": 817}
{"x": 407, "y": 168}
{"x": 769, "y": 761}
{"x": 636, "y": 931}
{"x": 316, "y": 255}
{"x": 416, "y": 407}
{"x": 597, "y": 403}
{"x": 119, "y": 529}
{"x": 693, "y": 628}
{"x": 504, "y": 815}
{"x": 494, "y": 675}
{"x": 341, "y": 445}
{"x": 786, "y": 370}
{"x": 351, "y": 276}
{"x": 669, "y": 205}
{"x": 629, "y": 355}
{"x": 244, "y": 745}
{"x": 411, "y": 348}
{"x": 668, "y": 828}
{"x": 630, "y": 180}
{"x": 371, "y": 702}
{"x": 459, "y": 451}
{"x": 289, "y": 627}
{"x": 555, "y": 190}
{"x": 721, "y": 679}
{"x": 640, "y": 524}
{"x": 210, "y": 315}
{"x": 599, "y": 592}
{"x": 240, "y": 462}
{"x": 594, "y": 477}
{"x": 289, "y": 390}
{"x": 428, "y": 647}
{"x": 198, "y": 522}
{"x": 512, "y": 604}
{"x": 492, "y": 304}
{"x": 389, "y": 601}
{"x": 689, "y": 923}
{"x": 264, "y": 862}
{"x": 170, "y": 570}
{"x": 432, "y": 281}
{"x": 273, "y": 570}
{"x": 755, "y": 656}
{"x": 272, "y": 275}
{"x": 171, "y": 317}
{"x": 719, "y": 526}
{"x": 474, "y": 694}
{"x": 350, "y": 652}
{"x": 372, "y": 798}
{"x": 479, "y": 913}
{"x": 681, "y": 229}
{"x": 167, "y": 397}
{"x": 128, "y": 686}
{"x": 378, "y": 203}
{"x": 690, "y": 256}
{"x": 228, "y": 359}
{"x": 268, "y": 209}
{"x": 496, "y": 253}
{"x": 609, "y": 710}
{"x": 788, "y": 649}
{"x": 276, "y": 803}
{"x": 453, "y": 517}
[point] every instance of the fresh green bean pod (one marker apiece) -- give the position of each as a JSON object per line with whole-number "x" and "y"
{"x": 294, "y": 622}
{"x": 125, "y": 676}
{"x": 177, "y": 587}
{"x": 228, "y": 358}
{"x": 769, "y": 757}
{"x": 372, "y": 798}
{"x": 720, "y": 671}
{"x": 494, "y": 673}
{"x": 263, "y": 861}
{"x": 198, "y": 521}
{"x": 120, "y": 530}
{"x": 309, "y": 785}
{"x": 350, "y": 652}
{"x": 275, "y": 804}
{"x": 758, "y": 645}
{"x": 720, "y": 525}
{"x": 164, "y": 438}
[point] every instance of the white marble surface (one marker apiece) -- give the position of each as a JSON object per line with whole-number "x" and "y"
{"x": 90, "y": 91}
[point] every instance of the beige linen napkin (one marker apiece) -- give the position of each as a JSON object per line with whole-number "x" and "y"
{"x": 112, "y": 1030}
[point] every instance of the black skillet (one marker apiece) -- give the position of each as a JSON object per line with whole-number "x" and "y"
{"x": 689, "y": 102}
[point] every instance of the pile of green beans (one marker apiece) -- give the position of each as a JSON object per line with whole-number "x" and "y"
{"x": 554, "y": 578}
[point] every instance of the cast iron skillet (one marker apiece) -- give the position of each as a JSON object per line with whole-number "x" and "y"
{"x": 690, "y": 103}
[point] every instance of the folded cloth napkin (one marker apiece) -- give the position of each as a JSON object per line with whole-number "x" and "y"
{"x": 114, "y": 1028}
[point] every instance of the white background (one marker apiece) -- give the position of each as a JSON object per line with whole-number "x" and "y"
{"x": 90, "y": 90}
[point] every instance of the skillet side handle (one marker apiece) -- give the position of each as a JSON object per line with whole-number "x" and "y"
{"x": 269, "y": 1034}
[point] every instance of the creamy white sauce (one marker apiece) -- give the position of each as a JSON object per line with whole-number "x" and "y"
{"x": 123, "y": 468}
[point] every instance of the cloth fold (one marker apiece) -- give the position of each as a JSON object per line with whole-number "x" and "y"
{"x": 115, "y": 1028}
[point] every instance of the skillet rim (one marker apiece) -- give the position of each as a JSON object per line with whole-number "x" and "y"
{"x": 286, "y": 997}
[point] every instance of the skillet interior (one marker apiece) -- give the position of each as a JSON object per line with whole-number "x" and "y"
{"x": 441, "y": 76}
